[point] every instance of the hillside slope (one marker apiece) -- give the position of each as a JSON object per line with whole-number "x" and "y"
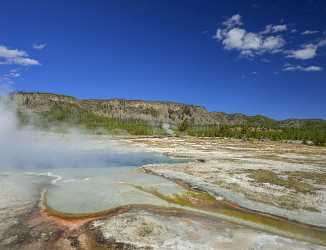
{"x": 154, "y": 112}
{"x": 155, "y": 117}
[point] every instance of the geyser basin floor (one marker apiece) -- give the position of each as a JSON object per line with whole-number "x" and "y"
{"x": 96, "y": 174}
{"x": 270, "y": 177}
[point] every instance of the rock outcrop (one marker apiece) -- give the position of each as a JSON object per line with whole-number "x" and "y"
{"x": 151, "y": 111}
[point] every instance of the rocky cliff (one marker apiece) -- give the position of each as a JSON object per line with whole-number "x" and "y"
{"x": 150, "y": 111}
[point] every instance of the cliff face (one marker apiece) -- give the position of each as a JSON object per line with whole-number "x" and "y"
{"x": 40, "y": 102}
{"x": 153, "y": 112}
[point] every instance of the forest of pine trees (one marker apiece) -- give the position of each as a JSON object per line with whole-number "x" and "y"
{"x": 306, "y": 134}
{"x": 311, "y": 132}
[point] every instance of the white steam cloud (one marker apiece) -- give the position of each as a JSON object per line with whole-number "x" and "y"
{"x": 29, "y": 148}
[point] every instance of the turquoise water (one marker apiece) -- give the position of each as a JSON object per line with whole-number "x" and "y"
{"x": 102, "y": 178}
{"x": 96, "y": 189}
{"x": 87, "y": 173}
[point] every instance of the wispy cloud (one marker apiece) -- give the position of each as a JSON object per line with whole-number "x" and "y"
{"x": 39, "y": 46}
{"x": 15, "y": 56}
{"x": 309, "y": 32}
{"x": 249, "y": 44}
{"x": 270, "y": 28}
{"x": 13, "y": 73}
{"x": 8, "y": 78}
{"x": 307, "y": 51}
{"x": 293, "y": 68}
{"x": 322, "y": 43}
{"x": 233, "y": 21}
{"x": 233, "y": 35}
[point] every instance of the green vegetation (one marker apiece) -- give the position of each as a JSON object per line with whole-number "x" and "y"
{"x": 245, "y": 127}
{"x": 184, "y": 126}
{"x": 268, "y": 176}
{"x": 74, "y": 116}
{"x": 316, "y": 133}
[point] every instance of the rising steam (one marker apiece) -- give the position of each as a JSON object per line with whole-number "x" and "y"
{"x": 30, "y": 148}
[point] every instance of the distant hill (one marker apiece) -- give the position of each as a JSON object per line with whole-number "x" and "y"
{"x": 154, "y": 112}
{"x": 155, "y": 117}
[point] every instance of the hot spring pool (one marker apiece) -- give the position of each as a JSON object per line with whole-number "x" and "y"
{"x": 93, "y": 179}
{"x": 98, "y": 189}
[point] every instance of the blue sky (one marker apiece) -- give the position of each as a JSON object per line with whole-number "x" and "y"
{"x": 254, "y": 57}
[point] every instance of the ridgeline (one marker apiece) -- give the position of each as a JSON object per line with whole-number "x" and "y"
{"x": 138, "y": 117}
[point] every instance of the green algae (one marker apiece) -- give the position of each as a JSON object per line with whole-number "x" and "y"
{"x": 203, "y": 201}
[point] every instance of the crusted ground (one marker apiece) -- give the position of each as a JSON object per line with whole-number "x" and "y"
{"x": 148, "y": 230}
{"x": 282, "y": 179}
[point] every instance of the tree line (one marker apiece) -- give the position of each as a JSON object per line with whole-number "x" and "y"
{"x": 314, "y": 135}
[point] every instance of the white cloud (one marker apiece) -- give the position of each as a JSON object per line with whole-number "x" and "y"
{"x": 273, "y": 43}
{"x": 13, "y": 73}
{"x": 233, "y": 39}
{"x": 307, "y": 51}
{"x": 247, "y": 43}
{"x": 233, "y": 21}
{"x": 234, "y": 36}
{"x": 270, "y": 28}
{"x": 247, "y": 53}
{"x": 14, "y": 56}
{"x": 322, "y": 43}
{"x": 251, "y": 41}
{"x": 39, "y": 46}
{"x": 218, "y": 34}
{"x": 293, "y": 68}
{"x": 313, "y": 68}
{"x": 24, "y": 61}
{"x": 8, "y": 78}
{"x": 11, "y": 53}
{"x": 309, "y": 32}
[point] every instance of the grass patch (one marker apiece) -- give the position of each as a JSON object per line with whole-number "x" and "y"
{"x": 268, "y": 176}
{"x": 316, "y": 177}
{"x": 193, "y": 198}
